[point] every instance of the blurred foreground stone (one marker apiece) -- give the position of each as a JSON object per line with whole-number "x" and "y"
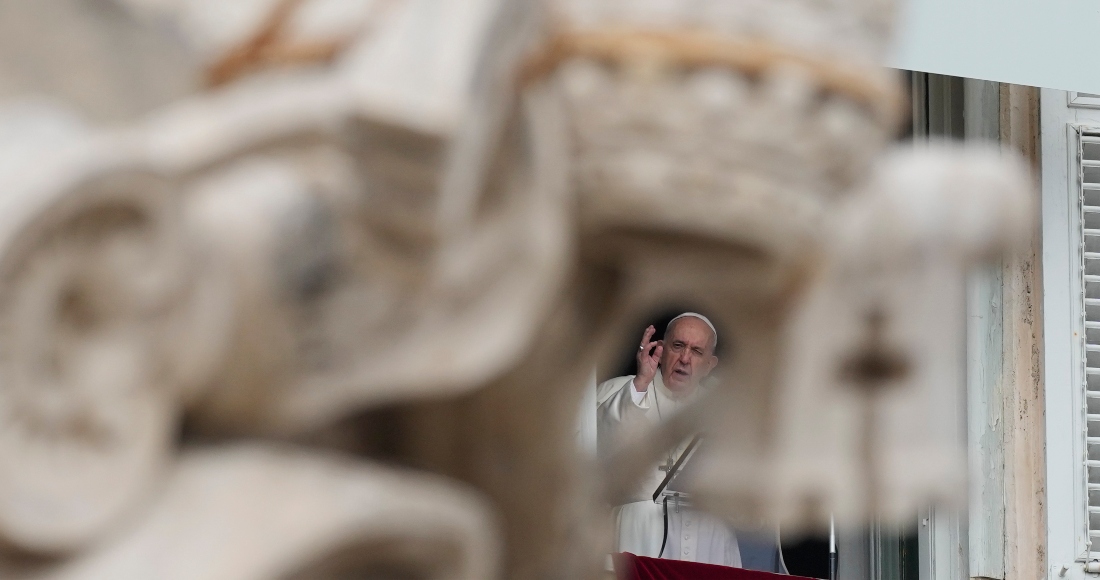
{"x": 405, "y": 230}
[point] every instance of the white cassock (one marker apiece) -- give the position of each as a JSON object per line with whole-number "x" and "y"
{"x": 693, "y": 536}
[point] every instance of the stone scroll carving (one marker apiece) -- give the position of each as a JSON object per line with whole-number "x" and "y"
{"x": 304, "y": 221}
{"x": 95, "y": 269}
{"x": 404, "y": 230}
{"x": 257, "y": 512}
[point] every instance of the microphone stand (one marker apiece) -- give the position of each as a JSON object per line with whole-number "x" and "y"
{"x": 832, "y": 549}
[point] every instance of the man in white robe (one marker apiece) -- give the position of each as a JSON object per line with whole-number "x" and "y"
{"x": 670, "y": 373}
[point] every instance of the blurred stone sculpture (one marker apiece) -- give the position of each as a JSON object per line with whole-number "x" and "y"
{"x": 95, "y": 282}
{"x": 874, "y": 347}
{"x": 251, "y": 512}
{"x": 720, "y": 148}
{"x": 406, "y": 223}
{"x": 324, "y": 214}
{"x": 419, "y": 204}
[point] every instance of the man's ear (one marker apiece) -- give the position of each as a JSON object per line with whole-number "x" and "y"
{"x": 712, "y": 361}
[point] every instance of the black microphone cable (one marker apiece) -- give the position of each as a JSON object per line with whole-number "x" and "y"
{"x": 664, "y": 540}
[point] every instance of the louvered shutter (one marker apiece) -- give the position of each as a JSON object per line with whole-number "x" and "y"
{"x": 1089, "y": 179}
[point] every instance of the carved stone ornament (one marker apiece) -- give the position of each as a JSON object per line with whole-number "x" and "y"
{"x": 244, "y": 512}
{"x": 255, "y": 254}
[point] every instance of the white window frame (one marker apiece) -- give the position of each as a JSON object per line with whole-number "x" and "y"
{"x": 1083, "y": 100}
{"x": 1062, "y": 118}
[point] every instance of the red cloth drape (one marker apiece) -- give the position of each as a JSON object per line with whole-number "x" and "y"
{"x": 631, "y": 567}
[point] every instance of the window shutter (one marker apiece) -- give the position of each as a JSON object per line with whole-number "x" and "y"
{"x": 1089, "y": 179}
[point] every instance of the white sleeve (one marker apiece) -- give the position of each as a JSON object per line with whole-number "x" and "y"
{"x": 618, "y": 416}
{"x": 639, "y": 398}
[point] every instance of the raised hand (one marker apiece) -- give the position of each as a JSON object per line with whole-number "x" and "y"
{"x": 649, "y": 354}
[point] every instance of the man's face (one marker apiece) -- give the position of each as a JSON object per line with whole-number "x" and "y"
{"x": 688, "y": 355}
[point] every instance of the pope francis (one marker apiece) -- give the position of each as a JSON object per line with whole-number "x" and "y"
{"x": 670, "y": 375}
